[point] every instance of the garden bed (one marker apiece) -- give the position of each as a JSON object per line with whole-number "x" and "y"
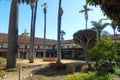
{"x": 49, "y": 59}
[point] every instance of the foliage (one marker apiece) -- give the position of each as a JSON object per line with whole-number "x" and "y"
{"x": 98, "y": 27}
{"x": 2, "y": 62}
{"x": 85, "y": 38}
{"x": 117, "y": 71}
{"x": 12, "y": 70}
{"x": 1, "y": 42}
{"x": 104, "y": 50}
{"x": 109, "y": 7}
{"x": 58, "y": 66}
{"x": 44, "y": 78}
{"x": 105, "y": 68}
{"x": 89, "y": 76}
{"x": 85, "y": 11}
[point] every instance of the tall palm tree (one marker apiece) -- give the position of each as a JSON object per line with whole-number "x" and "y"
{"x": 13, "y": 33}
{"x": 62, "y": 33}
{"x": 98, "y": 26}
{"x": 33, "y": 22}
{"x": 60, "y": 13}
{"x": 85, "y": 11}
{"x": 25, "y": 36}
{"x": 45, "y": 12}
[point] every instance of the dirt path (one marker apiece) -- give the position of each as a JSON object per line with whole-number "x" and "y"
{"x": 28, "y": 69}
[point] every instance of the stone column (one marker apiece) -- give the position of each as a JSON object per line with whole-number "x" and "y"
{"x": 27, "y": 55}
{"x": 73, "y": 54}
{"x": 18, "y": 54}
{"x": 34, "y": 54}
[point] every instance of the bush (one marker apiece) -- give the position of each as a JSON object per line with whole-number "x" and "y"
{"x": 2, "y": 62}
{"x": 12, "y": 70}
{"x": 117, "y": 71}
{"x": 89, "y": 76}
{"x": 58, "y": 66}
{"x": 106, "y": 67}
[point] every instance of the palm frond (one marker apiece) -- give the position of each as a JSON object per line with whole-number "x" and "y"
{"x": 81, "y": 11}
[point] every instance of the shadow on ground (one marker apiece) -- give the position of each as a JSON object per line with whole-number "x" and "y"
{"x": 49, "y": 71}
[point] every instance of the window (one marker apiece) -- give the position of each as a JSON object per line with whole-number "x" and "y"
{"x": 25, "y": 46}
{"x": 68, "y": 46}
{"x": 38, "y": 47}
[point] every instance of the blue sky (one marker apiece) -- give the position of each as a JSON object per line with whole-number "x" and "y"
{"x": 72, "y": 20}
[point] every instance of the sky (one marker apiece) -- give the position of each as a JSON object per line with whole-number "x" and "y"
{"x": 72, "y": 20}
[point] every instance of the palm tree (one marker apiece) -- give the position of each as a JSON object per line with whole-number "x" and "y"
{"x": 62, "y": 33}
{"x": 13, "y": 33}
{"x": 45, "y": 12}
{"x": 114, "y": 26}
{"x": 33, "y": 21}
{"x": 25, "y": 36}
{"x": 60, "y": 12}
{"x": 85, "y": 11}
{"x": 98, "y": 26}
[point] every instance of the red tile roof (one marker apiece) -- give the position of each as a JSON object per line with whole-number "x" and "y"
{"x": 39, "y": 41}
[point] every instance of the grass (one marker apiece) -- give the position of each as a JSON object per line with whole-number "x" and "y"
{"x": 2, "y": 62}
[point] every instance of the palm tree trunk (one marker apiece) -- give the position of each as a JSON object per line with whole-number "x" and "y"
{"x": 31, "y": 37}
{"x": 33, "y": 34}
{"x": 44, "y": 50}
{"x": 87, "y": 59}
{"x": 86, "y": 23}
{"x": 58, "y": 37}
{"x": 114, "y": 37}
{"x": 86, "y": 19}
{"x": 99, "y": 35}
{"x": 13, "y": 35}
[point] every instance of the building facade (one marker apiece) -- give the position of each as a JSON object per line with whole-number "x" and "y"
{"x": 69, "y": 50}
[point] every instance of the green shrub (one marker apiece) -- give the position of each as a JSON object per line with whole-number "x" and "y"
{"x": 106, "y": 67}
{"x": 2, "y": 62}
{"x": 44, "y": 78}
{"x": 117, "y": 71}
{"x": 12, "y": 70}
{"x": 89, "y": 76}
{"x": 58, "y": 66}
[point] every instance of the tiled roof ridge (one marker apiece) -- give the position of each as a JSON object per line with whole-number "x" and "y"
{"x": 4, "y": 37}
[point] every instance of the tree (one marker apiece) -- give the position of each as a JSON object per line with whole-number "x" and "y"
{"x": 109, "y": 7}
{"x": 106, "y": 35}
{"x": 114, "y": 26}
{"x": 45, "y": 12}
{"x": 25, "y": 35}
{"x": 98, "y": 26}
{"x": 85, "y": 11}
{"x": 103, "y": 50}
{"x": 33, "y": 22}
{"x": 86, "y": 39}
{"x": 60, "y": 13}
{"x": 1, "y": 43}
{"x": 62, "y": 33}
{"x": 13, "y": 33}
